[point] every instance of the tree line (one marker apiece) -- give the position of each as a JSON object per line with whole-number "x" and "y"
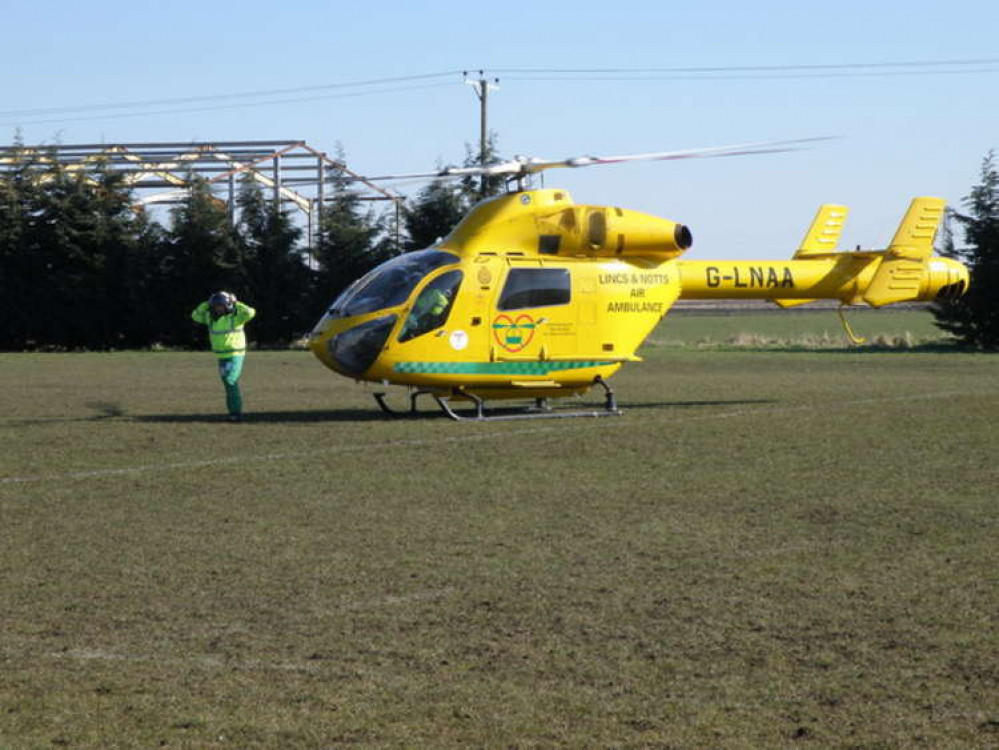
{"x": 973, "y": 319}
{"x": 81, "y": 268}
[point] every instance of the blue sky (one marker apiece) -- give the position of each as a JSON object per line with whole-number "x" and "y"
{"x": 917, "y": 130}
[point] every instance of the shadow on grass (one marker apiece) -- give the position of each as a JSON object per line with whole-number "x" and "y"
{"x": 272, "y": 417}
{"x": 374, "y": 415}
{"x": 354, "y": 415}
{"x": 104, "y": 410}
{"x": 586, "y": 410}
{"x": 695, "y": 404}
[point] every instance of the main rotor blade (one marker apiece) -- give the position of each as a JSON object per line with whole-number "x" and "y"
{"x": 744, "y": 149}
{"x": 448, "y": 173}
{"x": 522, "y": 166}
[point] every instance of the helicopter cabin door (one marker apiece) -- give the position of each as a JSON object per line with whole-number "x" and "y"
{"x": 533, "y": 316}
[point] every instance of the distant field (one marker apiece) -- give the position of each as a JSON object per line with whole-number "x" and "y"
{"x": 802, "y": 327}
{"x": 768, "y": 550}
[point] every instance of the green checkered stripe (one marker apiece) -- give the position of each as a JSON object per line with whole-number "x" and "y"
{"x": 492, "y": 368}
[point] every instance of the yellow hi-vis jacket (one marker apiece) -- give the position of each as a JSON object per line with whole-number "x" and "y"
{"x": 226, "y": 333}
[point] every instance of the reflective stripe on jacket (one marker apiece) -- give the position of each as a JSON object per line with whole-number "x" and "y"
{"x": 226, "y": 333}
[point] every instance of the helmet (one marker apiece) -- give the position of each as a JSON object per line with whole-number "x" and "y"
{"x": 222, "y": 303}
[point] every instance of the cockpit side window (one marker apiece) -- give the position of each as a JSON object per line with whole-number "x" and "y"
{"x": 432, "y": 306}
{"x": 535, "y": 287}
{"x": 389, "y": 284}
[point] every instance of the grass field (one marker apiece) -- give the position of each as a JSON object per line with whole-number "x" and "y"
{"x": 769, "y": 549}
{"x": 770, "y": 327}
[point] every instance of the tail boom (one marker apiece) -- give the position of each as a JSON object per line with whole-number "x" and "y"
{"x": 804, "y": 280}
{"x": 856, "y": 278}
{"x": 906, "y": 272}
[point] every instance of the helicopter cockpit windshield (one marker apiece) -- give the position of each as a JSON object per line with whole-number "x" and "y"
{"x": 389, "y": 284}
{"x": 432, "y": 306}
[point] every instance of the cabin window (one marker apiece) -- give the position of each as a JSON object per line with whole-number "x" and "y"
{"x": 548, "y": 244}
{"x": 535, "y": 287}
{"x": 432, "y": 306}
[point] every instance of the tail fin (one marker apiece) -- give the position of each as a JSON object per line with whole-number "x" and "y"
{"x": 824, "y": 232}
{"x": 819, "y": 240}
{"x": 903, "y": 269}
{"x": 914, "y": 238}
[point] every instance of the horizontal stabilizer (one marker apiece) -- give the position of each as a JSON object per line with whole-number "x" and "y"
{"x": 825, "y": 231}
{"x": 896, "y": 280}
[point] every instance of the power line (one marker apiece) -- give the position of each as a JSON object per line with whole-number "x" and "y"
{"x": 751, "y": 68}
{"x": 183, "y": 110}
{"x": 218, "y": 97}
{"x": 747, "y": 77}
{"x": 119, "y": 110}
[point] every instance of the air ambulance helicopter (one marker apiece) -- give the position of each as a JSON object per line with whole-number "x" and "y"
{"x": 533, "y": 297}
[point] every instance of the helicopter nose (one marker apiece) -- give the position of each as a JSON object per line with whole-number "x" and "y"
{"x": 354, "y": 350}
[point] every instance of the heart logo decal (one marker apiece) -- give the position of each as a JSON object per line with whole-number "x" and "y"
{"x": 513, "y": 334}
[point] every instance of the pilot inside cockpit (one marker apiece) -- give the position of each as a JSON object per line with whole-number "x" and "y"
{"x": 432, "y": 306}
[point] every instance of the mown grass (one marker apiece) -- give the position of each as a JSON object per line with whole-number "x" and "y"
{"x": 768, "y": 550}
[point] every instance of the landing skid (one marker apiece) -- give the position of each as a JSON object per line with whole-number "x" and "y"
{"x": 540, "y": 410}
{"x": 380, "y": 398}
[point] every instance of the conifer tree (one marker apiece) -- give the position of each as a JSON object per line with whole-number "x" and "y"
{"x": 276, "y": 272}
{"x": 351, "y": 242}
{"x": 475, "y": 189}
{"x": 974, "y": 318}
{"x": 120, "y": 243}
{"x": 22, "y": 276}
{"x": 77, "y": 255}
{"x": 436, "y": 210}
{"x": 63, "y": 269}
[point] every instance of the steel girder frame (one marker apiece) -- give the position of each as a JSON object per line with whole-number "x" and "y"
{"x": 162, "y": 172}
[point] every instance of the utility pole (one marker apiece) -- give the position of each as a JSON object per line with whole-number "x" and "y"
{"x": 482, "y": 88}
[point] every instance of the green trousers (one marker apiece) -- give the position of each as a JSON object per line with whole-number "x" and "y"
{"x": 230, "y": 369}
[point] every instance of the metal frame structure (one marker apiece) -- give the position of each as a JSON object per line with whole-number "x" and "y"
{"x": 160, "y": 173}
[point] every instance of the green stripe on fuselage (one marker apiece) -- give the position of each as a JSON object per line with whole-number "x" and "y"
{"x": 491, "y": 368}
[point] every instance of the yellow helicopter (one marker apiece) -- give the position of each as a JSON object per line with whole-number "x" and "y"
{"x": 532, "y": 296}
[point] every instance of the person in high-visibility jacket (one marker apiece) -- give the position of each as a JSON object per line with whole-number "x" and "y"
{"x": 225, "y": 318}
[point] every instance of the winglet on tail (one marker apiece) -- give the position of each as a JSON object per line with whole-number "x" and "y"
{"x": 820, "y": 239}
{"x": 914, "y": 238}
{"x": 902, "y": 274}
{"x": 903, "y": 271}
{"x": 824, "y": 232}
